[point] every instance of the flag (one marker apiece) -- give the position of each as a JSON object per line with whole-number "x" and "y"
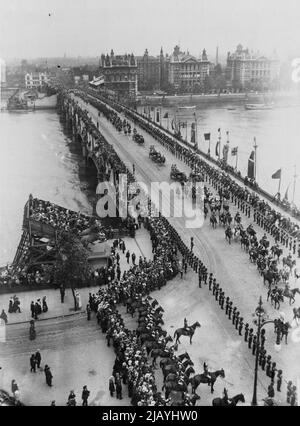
{"x": 234, "y": 151}
{"x": 207, "y": 136}
{"x": 217, "y": 149}
{"x": 251, "y": 165}
{"x": 277, "y": 175}
{"x": 166, "y": 115}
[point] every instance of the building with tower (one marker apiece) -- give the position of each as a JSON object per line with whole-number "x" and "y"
{"x": 120, "y": 73}
{"x": 246, "y": 70}
{"x": 152, "y": 71}
{"x": 187, "y": 71}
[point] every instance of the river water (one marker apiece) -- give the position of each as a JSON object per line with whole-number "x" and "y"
{"x": 37, "y": 157}
{"x": 277, "y": 134}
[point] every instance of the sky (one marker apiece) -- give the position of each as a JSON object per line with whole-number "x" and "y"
{"x": 51, "y": 28}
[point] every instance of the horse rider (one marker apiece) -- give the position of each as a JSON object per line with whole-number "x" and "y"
{"x": 205, "y": 370}
{"x": 225, "y": 397}
{"x": 185, "y": 324}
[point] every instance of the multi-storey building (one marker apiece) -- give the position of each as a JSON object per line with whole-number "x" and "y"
{"x": 187, "y": 70}
{"x": 120, "y": 74}
{"x": 35, "y": 80}
{"x": 152, "y": 71}
{"x": 248, "y": 70}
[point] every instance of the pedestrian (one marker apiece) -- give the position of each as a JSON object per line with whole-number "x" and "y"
{"x": 45, "y": 306}
{"x": 289, "y": 391}
{"x": 111, "y": 385}
{"x": 71, "y": 399}
{"x": 133, "y": 169}
{"x": 32, "y": 364}
{"x": 127, "y": 255}
{"x": 118, "y": 387}
{"x": 254, "y": 345}
{"x": 279, "y": 380}
{"x": 293, "y": 396}
{"x": 133, "y": 258}
{"x": 84, "y": 396}
{"x": 52, "y": 404}
{"x": 38, "y": 358}
{"x": 3, "y": 316}
{"x": 268, "y": 367}
{"x": 32, "y": 309}
{"x": 62, "y": 293}
{"x": 88, "y": 312}
{"x": 48, "y": 375}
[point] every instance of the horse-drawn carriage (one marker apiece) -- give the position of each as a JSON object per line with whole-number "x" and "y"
{"x": 137, "y": 137}
{"x": 156, "y": 156}
{"x": 177, "y": 175}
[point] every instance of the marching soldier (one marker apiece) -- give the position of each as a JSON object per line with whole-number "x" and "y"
{"x": 237, "y": 319}
{"x": 214, "y": 286}
{"x": 222, "y": 300}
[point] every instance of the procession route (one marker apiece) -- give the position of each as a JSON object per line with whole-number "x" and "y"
{"x": 237, "y": 277}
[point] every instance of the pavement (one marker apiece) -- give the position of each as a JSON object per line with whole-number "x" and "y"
{"x": 238, "y": 278}
{"x": 74, "y": 348}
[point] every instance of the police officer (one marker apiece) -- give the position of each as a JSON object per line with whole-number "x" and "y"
{"x": 217, "y": 292}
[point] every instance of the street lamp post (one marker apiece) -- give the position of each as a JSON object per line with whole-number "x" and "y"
{"x": 261, "y": 323}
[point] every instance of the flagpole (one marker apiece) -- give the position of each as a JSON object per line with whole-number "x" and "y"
{"x": 255, "y": 158}
{"x": 220, "y": 144}
{"x": 196, "y": 131}
{"x": 294, "y": 186}
{"x": 279, "y": 185}
{"x": 160, "y": 116}
{"x": 236, "y": 160}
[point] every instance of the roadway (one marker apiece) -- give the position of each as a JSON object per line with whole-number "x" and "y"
{"x": 238, "y": 278}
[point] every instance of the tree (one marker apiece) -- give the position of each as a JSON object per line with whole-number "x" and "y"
{"x": 71, "y": 267}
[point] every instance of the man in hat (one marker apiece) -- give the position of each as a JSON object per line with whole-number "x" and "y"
{"x": 38, "y": 358}
{"x": 48, "y": 375}
{"x": 84, "y": 396}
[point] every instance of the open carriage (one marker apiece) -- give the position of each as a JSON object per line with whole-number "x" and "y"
{"x": 177, "y": 175}
{"x": 156, "y": 156}
{"x": 138, "y": 138}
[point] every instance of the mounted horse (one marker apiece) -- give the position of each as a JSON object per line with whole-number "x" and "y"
{"x": 288, "y": 261}
{"x": 232, "y": 402}
{"x": 189, "y": 331}
{"x": 209, "y": 379}
{"x": 291, "y": 293}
